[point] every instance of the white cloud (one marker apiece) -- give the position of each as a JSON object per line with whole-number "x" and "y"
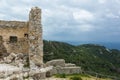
{"x": 83, "y": 15}
{"x": 102, "y": 1}
{"x": 111, "y": 15}
{"x": 20, "y": 10}
{"x": 86, "y": 28}
{"x": 119, "y": 12}
{"x": 118, "y": 1}
{"x": 3, "y": 3}
{"x": 2, "y": 16}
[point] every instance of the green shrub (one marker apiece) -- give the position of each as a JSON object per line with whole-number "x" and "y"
{"x": 61, "y": 75}
{"x": 75, "y": 78}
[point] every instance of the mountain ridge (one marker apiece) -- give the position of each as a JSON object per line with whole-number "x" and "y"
{"x": 90, "y": 57}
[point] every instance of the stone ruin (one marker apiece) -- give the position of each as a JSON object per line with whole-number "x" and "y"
{"x": 21, "y": 51}
{"x": 60, "y": 67}
{"x": 23, "y": 37}
{"x": 21, "y": 42}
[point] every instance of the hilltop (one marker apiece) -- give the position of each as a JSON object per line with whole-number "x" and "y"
{"x": 91, "y": 57}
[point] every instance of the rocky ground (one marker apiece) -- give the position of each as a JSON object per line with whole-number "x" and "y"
{"x": 16, "y": 66}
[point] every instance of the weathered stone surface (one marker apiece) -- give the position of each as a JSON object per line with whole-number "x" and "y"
{"x": 60, "y": 67}
{"x": 14, "y": 78}
{"x": 38, "y": 76}
{"x": 52, "y": 72}
{"x": 10, "y": 58}
{"x": 69, "y": 70}
{"x": 2, "y": 75}
{"x": 8, "y": 71}
{"x": 70, "y": 65}
{"x": 3, "y": 51}
{"x": 57, "y": 62}
{"x": 16, "y": 29}
{"x": 35, "y": 37}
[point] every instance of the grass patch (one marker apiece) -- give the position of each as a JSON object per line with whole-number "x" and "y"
{"x": 79, "y": 77}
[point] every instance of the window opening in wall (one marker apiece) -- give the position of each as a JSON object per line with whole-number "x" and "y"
{"x": 25, "y": 35}
{"x": 13, "y": 39}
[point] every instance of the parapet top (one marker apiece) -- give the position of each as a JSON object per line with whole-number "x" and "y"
{"x": 12, "y": 24}
{"x": 34, "y": 8}
{"x": 35, "y": 14}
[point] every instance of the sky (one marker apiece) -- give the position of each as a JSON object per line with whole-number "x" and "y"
{"x": 70, "y": 20}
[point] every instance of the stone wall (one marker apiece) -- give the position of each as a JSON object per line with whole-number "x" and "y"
{"x": 35, "y": 37}
{"x": 60, "y": 67}
{"x": 13, "y": 29}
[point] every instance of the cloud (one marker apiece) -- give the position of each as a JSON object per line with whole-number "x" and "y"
{"x": 102, "y": 1}
{"x": 2, "y": 16}
{"x": 75, "y": 20}
{"x": 111, "y": 15}
{"x": 83, "y": 15}
{"x": 86, "y": 28}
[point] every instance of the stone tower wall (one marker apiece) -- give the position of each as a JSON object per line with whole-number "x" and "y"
{"x": 35, "y": 37}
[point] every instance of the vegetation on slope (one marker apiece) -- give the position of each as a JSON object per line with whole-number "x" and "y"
{"x": 79, "y": 77}
{"x": 90, "y": 57}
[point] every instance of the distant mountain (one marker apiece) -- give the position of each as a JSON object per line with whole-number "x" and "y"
{"x": 111, "y": 45}
{"x": 90, "y": 57}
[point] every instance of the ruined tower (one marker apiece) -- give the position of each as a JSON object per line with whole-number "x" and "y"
{"x": 35, "y": 37}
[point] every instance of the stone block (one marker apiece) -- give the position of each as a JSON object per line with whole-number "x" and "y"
{"x": 55, "y": 63}
{"x": 70, "y": 65}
